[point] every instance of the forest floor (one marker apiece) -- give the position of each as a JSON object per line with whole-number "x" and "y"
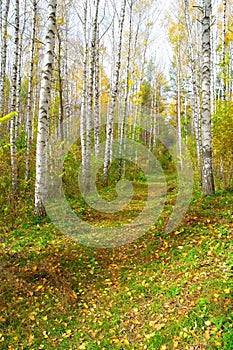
{"x": 163, "y": 291}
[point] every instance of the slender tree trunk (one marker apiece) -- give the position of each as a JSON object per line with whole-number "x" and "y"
{"x": 19, "y": 116}
{"x": 179, "y": 133}
{"x": 43, "y": 122}
{"x": 3, "y": 57}
{"x": 61, "y": 109}
{"x": 84, "y": 95}
{"x": 207, "y": 167}
{"x": 224, "y": 68}
{"x": 13, "y": 148}
{"x": 196, "y": 93}
{"x": 126, "y": 95}
{"x": 96, "y": 99}
{"x": 30, "y": 91}
{"x": 109, "y": 130}
{"x": 90, "y": 96}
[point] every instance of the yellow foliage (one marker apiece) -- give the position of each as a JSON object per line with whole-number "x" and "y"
{"x": 7, "y": 117}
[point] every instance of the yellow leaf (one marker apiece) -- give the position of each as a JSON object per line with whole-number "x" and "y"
{"x": 207, "y": 335}
{"x": 45, "y": 318}
{"x": 159, "y": 326}
{"x": 39, "y": 287}
{"x": 227, "y": 291}
{"x": 30, "y": 339}
{"x": 7, "y": 117}
{"x": 150, "y": 335}
{"x": 126, "y": 342}
{"x": 207, "y": 323}
{"x": 45, "y": 334}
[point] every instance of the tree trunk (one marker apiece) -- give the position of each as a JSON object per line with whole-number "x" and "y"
{"x": 43, "y": 122}
{"x": 224, "y": 68}
{"x": 96, "y": 100}
{"x": 207, "y": 167}
{"x": 30, "y": 90}
{"x": 84, "y": 96}
{"x": 3, "y": 57}
{"x": 195, "y": 88}
{"x": 13, "y": 148}
{"x": 90, "y": 96}
{"x": 109, "y": 129}
{"x": 126, "y": 96}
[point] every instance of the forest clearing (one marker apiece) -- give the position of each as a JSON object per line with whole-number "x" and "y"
{"x": 116, "y": 174}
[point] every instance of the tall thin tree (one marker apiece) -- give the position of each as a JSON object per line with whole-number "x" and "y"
{"x": 30, "y": 90}
{"x": 13, "y": 148}
{"x": 109, "y": 129}
{"x": 43, "y": 121}
{"x": 207, "y": 162}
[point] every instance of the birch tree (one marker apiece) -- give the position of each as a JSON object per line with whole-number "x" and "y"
{"x": 84, "y": 92}
{"x": 30, "y": 91}
{"x": 13, "y": 124}
{"x": 114, "y": 93}
{"x": 3, "y": 55}
{"x": 224, "y": 70}
{"x": 43, "y": 121}
{"x": 89, "y": 115}
{"x": 194, "y": 81}
{"x": 207, "y": 163}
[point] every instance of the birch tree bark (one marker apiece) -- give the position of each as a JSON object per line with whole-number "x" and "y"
{"x": 109, "y": 129}
{"x": 60, "y": 80}
{"x": 13, "y": 148}
{"x": 96, "y": 98}
{"x": 127, "y": 88}
{"x": 3, "y": 56}
{"x": 224, "y": 70}
{"x": 84, "y": 94}
{"x": 194, "y": 80}
{"x": 30, "y": 91}
{"x": 207, "y": 166}
{"x": 179, "y": 133}
{"x": 43, "y": 122}
{"x": 91, "y": 95}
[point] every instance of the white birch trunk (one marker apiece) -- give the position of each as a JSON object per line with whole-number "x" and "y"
{"x": 43, "y": 122}
{"x": 109, "y": 129}
{"x": 30, "y": 90}
{"x": 207, "y": 167}
{"x": 3, "y": 56}
{"x": 179, "y": 135}
{"x": 196, "y": 93}
{"x": 90, "y": 96}
{"x": 84, "y": 96}
{"x": 126, "y": 96}
{"x": 13, "y": 148}
{"x": 97, "y": 94}
{"x": 224, "y": 69}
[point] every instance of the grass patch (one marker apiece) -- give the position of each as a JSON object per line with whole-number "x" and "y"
{"x": 161, "y": 292}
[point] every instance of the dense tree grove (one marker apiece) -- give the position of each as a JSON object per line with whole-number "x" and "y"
{"x": 98, "y": 64}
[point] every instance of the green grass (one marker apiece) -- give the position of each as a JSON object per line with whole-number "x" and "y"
{"x": 160, "y": 292}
